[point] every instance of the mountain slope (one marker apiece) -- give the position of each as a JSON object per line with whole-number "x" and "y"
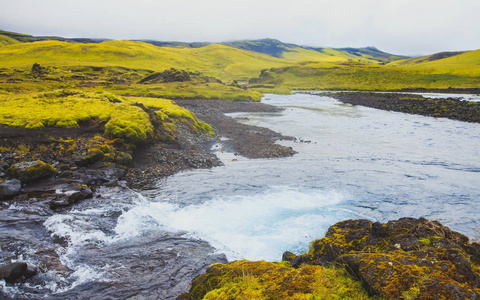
{"x": 462, "y": 58}
{"x": 219, "y": 61}
{"x": 270, "y": 47}
{"x": 278, "y": 49}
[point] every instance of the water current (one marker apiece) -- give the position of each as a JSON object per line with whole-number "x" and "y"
{"x": 352, "y": 162}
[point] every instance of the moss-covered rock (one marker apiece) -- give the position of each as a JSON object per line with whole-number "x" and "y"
{"x": 31, "y": 170}
{"x": 404, "y": 259}
{"x": 123, "y": 158}
{"x": 93, "y": 155}
{"x": 266, "y": 280}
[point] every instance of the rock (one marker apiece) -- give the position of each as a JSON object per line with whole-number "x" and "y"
{"x": 31, "y": 170}
{"x": 123, "y": 158}
{"x": 267, "y": 280}
{"x": 10, "y": 188}
{"x": 70, "y": 195}
{"x": 288, "y": 256}
{"x": 296, "y": 260}
{"x": 14, "y": 271}
{"x": 407, "y": 258}
{"x": 300, "y": 260}
{"x": 92, "y": 156}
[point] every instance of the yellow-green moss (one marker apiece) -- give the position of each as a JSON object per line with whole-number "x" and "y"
{"x": 121, "y": 116}
{"x": 266, "y": 280}
{"x": 28, "y": 171}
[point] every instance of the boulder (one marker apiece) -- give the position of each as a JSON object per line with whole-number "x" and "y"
{"x": 296, "y": 260}
{"x": 10, "y": 188}
{"x": 92, "y": 156}
{"x": 404, "y": 259}
{"x": 123, "y": 158}
{"x": 31, "y": 170}
{"x": 69, "y": 195}
{"x": 14, "y": 271}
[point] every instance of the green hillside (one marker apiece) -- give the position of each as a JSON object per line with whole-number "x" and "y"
{"x": 267, "y": 64}
{"x": 6, "y": 40}
{"x": 219, "y": 61}
{"x": 464, "y": 63}
{"x": 364, "y": 76}
{"x": 276, "y": 48}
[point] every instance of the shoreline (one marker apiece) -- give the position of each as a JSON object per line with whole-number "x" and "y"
{"x": 450, "y": 108}
{"x": 75, "y": 163}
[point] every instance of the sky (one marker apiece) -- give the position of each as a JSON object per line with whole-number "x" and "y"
{"x": 405, "y": 27}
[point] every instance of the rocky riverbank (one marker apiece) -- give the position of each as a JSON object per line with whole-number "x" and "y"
{"x": 401, "y": 259}
{"x": 451, "y": 108}
{"x": 50, "y": 170}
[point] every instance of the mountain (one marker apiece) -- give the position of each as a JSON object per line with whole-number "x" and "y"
{"x": 278, "y": 49}
{"x": 25, "y": 38}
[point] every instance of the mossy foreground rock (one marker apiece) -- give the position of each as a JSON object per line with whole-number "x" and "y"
{"x": 266, "y": 280}
{"x": 31, "y": 170}
{"x": 404, "y": 259}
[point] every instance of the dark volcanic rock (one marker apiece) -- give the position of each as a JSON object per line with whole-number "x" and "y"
{"x": 92, "y": 156}
{"x": 12, "y": 272}
{"x": 10, "y": 188}
{"x": 31, "y": 170}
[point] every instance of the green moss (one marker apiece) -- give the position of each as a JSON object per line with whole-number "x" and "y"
{"x": 403, "y": 259}
{"x": 30, "y": 171}
{"x": 265, "y": 280}
{"x": 425, "y": 241}
{"x": 121, "y": 116}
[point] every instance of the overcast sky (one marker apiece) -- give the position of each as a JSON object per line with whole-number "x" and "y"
{"x": 409, "y": 27}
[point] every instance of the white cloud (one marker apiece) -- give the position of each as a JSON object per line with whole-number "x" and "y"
{"x": 403, "y": 27}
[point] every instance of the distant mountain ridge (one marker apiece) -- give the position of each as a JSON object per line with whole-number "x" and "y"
{"x": 286, "y": 51}
{"x": 271, "y": 47}
{"x": 26, "y": 38}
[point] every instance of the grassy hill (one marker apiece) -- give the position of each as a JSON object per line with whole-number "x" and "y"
{"x": 363, "y": 76}
{"x": 269, "y": 64}
{"x": 465, "y": 63}
{"x": 220, "y": 61}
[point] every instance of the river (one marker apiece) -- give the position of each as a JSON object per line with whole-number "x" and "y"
{"x": 352, "y": 162}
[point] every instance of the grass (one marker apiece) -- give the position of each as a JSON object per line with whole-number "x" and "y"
{"x": 6, "y": 40}
{"x": 297, "y": 68}
{"x": 265, "y": 280}
{"x": 219, "y": 61}
{"x": 360, "y": 76}
{"x": 187, "y": 90}
{"x": 122, "y": 117}
{"x": 119, "y": 80}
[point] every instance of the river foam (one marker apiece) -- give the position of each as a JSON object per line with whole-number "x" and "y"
{"x": 257, "y": 226}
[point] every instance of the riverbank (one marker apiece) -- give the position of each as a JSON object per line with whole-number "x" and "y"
{"x": 190, "y": 150}
{"x": 53, "y": 169}
{"x": 451, "y": 108}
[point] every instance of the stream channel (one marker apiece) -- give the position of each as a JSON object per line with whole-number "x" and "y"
{"x": 352, "y": 162}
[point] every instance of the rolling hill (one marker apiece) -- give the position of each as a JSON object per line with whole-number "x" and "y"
{"x": 272, "y": 64}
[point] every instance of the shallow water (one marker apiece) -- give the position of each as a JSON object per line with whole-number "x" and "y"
{"x": 352, "y": 162}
